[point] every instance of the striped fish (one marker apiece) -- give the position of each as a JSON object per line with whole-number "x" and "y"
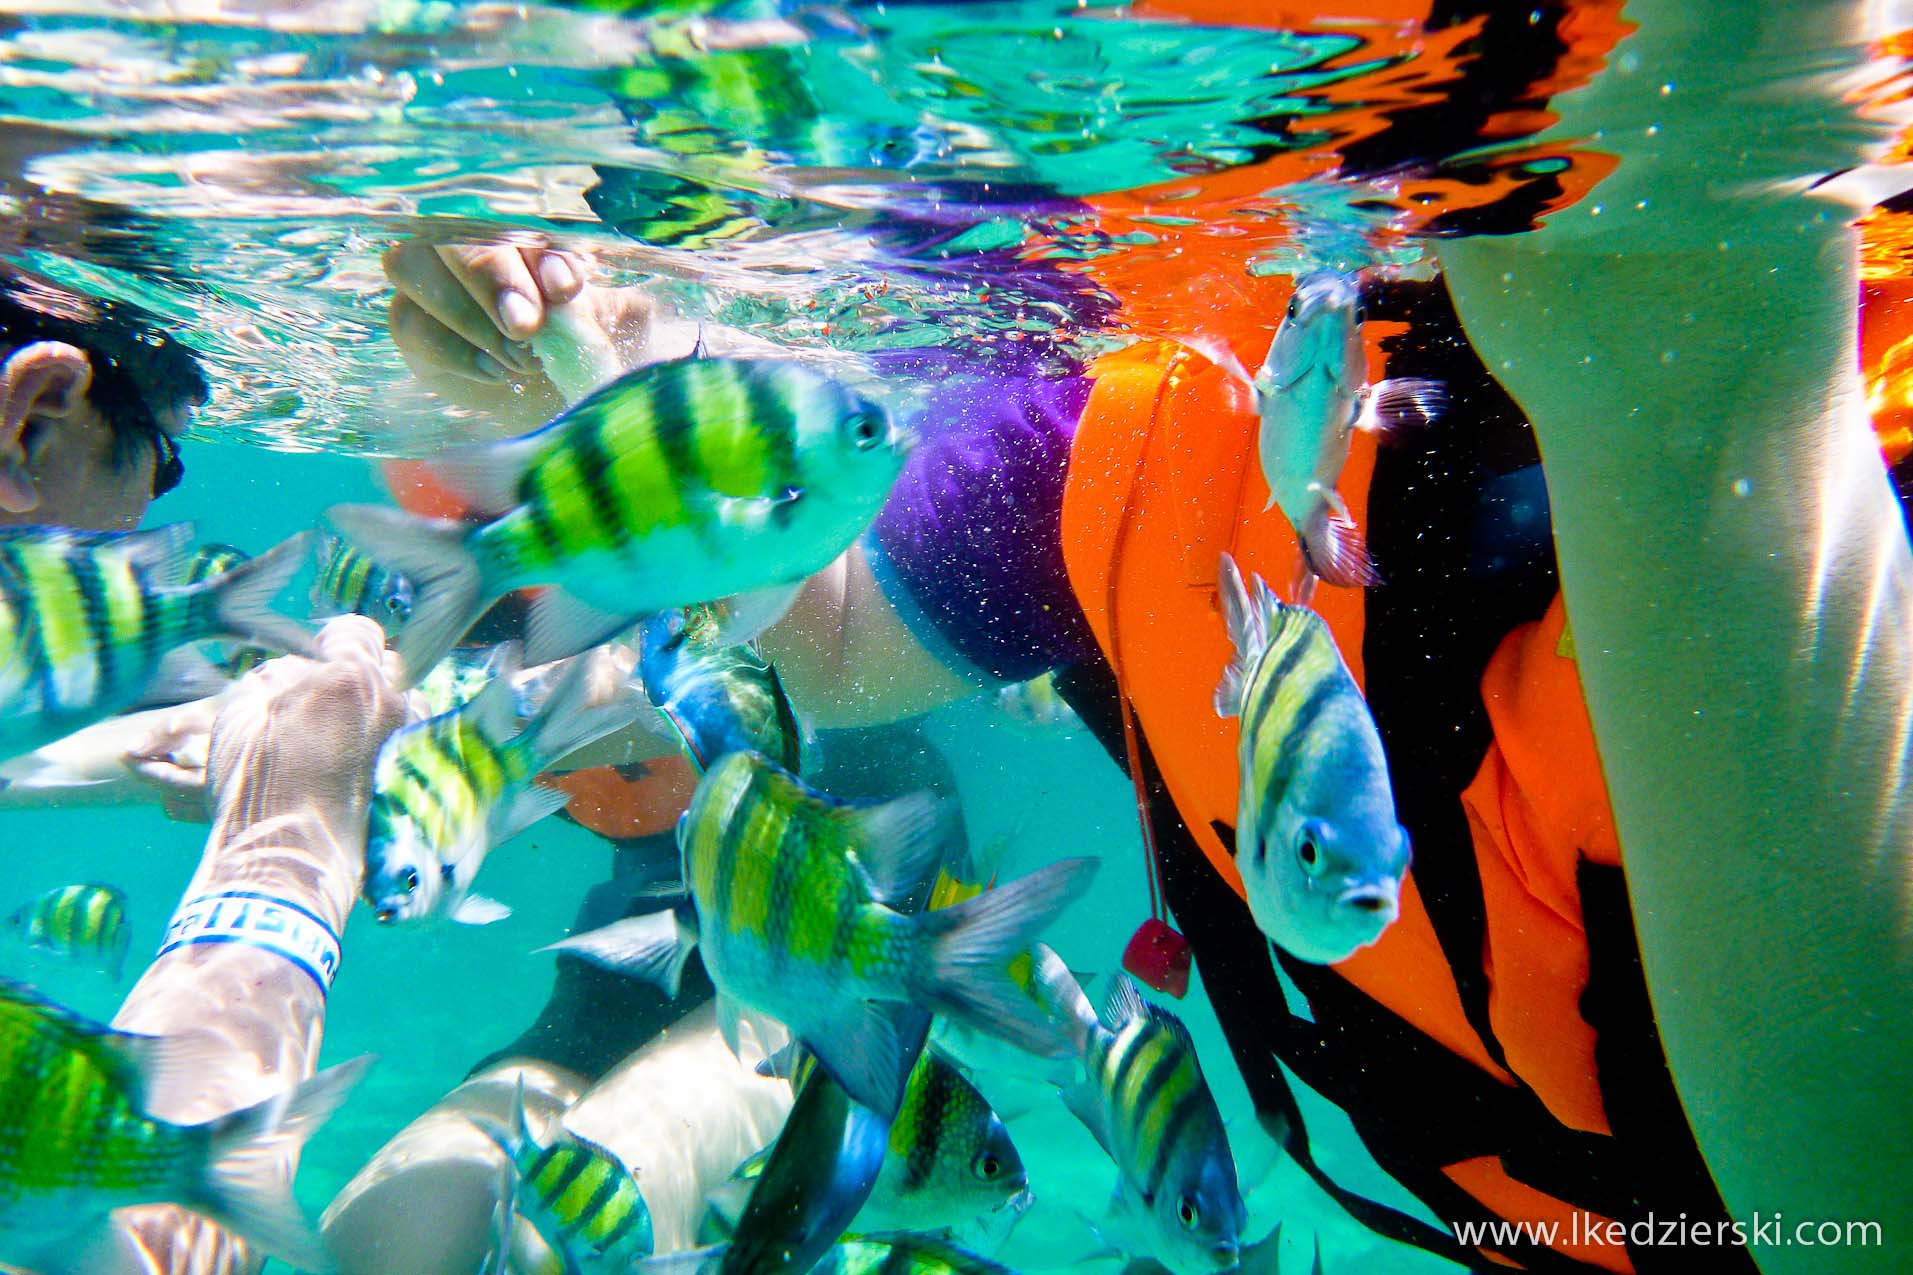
{"x": 580, "y": 1198}
{"x": 1143, "y": 1096}
{"x": 350, "y": 583}
{"x": 795, "y": 904}
{"x": 676, "y": 484}
{"x": 76, "y": 1141}
{"x": 447, "y": 790}
{"x": 1316, "y": 839}
{"x": 88, "y": 618}
{"x": 948, "y": 1159}
{"x": 86, "y": 922}
{"x": 231, "y": 660}
{"x": 718, "y": 698}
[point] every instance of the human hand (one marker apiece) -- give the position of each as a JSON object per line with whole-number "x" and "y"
{"x": 465, "y": 316}
{"x": 299, "y": 735}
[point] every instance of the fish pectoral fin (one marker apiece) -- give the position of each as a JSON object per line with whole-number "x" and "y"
{"x": 476, "y": 909}
{"x": 899, "y": 845}
{"x": 868, "y": 1047}
{"x": 1080, "y": 1097}
{"x": 747, "y": 615}
{"x": 1401, "y": 403}
{"x": 1333, "y": 548}
{"x": 754, "y": 513}
{"x": 526, "y": 809}
{"x": 562, "y": 624}
{"x": 651, "y": 948}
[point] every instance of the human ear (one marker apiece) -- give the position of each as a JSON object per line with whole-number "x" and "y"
{"x": 47, "y": 380}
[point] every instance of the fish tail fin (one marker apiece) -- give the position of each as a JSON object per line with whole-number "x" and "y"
{"x": 968, "y": 948}
{"x": 240, "y": 599}
{"x": 1399, "y": 404}
{"x": 569, "y": 720}
{"x": 1333, "y": 547}
{"x": 652, "y": 948}
{"x": 241, "y": 1189}
{"x": 436, "y": 554}
{"x": 1248, "y": 634}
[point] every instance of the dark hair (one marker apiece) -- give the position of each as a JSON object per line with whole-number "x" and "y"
{"x": 140, "y": 374}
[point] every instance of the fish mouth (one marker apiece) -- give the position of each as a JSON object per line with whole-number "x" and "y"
{"x": 385, "y": 915}
{"x": 1227, "y": 1254}
{"x": 1377, "y": 901}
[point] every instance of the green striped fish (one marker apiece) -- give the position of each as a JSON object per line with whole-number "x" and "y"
{"x": 88, "y": 618}
{"x": 796, "y": 899}
{"x": 350, "y": 583}
{"x": 232, "y": 660}
{"x": 676, "y": 484}
{"x": 949, "y": 1159}
{"x": 1316, "y": 839}
{"x": 580, "y": 1198}
{"x": 87, "y": 922}
{"x": 1142, "y": 1094}
{"x": 76, "y": 1140}
{"x": 447, "y": 790}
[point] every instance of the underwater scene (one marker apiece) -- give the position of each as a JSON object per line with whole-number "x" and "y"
{"x": 893, "y": 637}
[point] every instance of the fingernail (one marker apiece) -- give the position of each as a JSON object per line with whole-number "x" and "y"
{"x": 555, "y": 274}
{"x": 488, "y": 367}
{"x": 517, "y": 313}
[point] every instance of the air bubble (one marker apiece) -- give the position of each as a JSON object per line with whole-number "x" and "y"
{"x": 1743, "y": 486}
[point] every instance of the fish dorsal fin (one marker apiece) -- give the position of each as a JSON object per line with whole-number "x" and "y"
{"x": 898, "y": 845}
{"x": 1122, "y": 1003}
{"x": 493, "y": 712}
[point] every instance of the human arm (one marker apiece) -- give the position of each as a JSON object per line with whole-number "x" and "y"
{"x": 1736, "y": 572}
{"x": 289, "y": 770}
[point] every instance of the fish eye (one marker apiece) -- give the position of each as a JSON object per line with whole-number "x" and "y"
{"x": 410, "y": 880}
{"x": 1308, "y": 853}
{"x": 1186, "y": 1213}
{"x": 1361, "y": 314}
{"x": 864, "y": 431}
{"x": 1295, "y": 307}
{"x": 988, "y": 1166}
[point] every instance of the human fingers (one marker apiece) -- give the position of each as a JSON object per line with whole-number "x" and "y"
{"x": 560, "y": 275}
{"x": 429, "y": 346}
{"x": 179, "y": 789}
{"x": 419, "y": 272}
{"x": 500, "y": 280}
{"x": 354, "y": 639}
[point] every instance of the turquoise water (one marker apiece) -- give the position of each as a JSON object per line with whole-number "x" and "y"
{"x": 873, "y": 181}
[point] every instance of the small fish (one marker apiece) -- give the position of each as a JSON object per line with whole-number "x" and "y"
{"x": 231, "y": 659}
{"x": 351, "y": 583}
{"x": 1311, "y": 394}
{"x": 462, "y": 676}
{"x": 949, "y": 1160}
{"x": 580, "y": 1198}
{"x": 795, "y": 906}
{"x": 1038, "y": 703}
{"x": 718, "y": 698}
{"x": 447, "y": 790}
{"x": 83, "y": 921}
{"x": 1143, "y": 1096}
{"x": 87, "y": 620}
{"x": 1321, "y": 854}
{"x": 79, "y": 1142}
{"x": 895, "y": 1254}
{"x": 676, "y": 484}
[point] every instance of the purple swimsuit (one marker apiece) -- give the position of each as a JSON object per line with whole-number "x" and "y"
{"x": 969, "y": 548}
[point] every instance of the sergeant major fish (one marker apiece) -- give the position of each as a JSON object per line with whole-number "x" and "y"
{"x": 719, "y": 698}
{"x": 580, "y": 1198}
{"x": 676, "y": 484}
{"x": 82, "y": 921}
{"x": 795, "y": 900}
{"x": 1143, "y": 1097}
{"x": 1321, "y": 855}
{"x": 351, "y": 583}
{"x": 447, "y": 790}
{"x": 1311, "y": 394}
{"x": 79, "y": 1141}
{"x": 87, "y": 620}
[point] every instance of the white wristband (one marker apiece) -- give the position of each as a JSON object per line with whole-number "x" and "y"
{"x": 261, "y": 921}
